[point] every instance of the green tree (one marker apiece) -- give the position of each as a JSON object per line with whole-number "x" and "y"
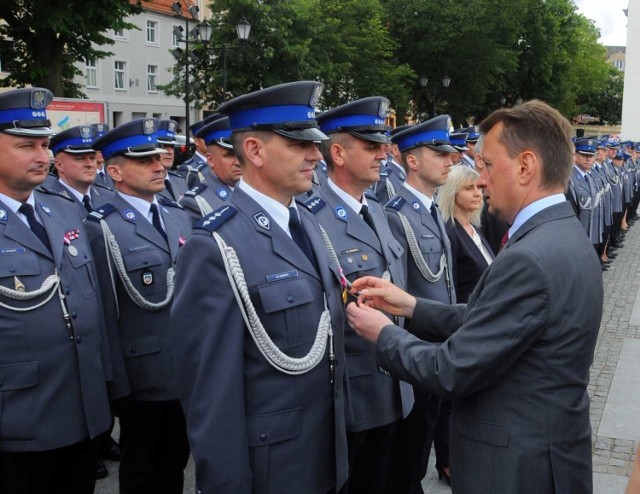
{"x": 47, "y": 37}
{"x": 604, "y": 101}
{"x": 344, "y": 44}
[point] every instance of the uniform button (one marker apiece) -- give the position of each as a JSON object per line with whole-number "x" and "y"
{"x": 12, "y": 269}
{"x": 263, "y": 437}
{"x": 67, "y": 291}
{"x": 74, "y": 315}
{"x": 290, "y": 298}
{"x": 133, "y": 350}
{"x": 359, "y": 264}
{"x": 78, "y": 340}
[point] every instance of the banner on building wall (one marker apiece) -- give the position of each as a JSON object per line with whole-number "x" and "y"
{"x": 67, "y": 112}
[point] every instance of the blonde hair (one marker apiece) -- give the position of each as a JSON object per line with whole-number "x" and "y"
{"x": 459, "y": 177}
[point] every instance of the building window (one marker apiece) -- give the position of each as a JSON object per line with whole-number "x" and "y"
{"x": 90, "y": 73}
{"x": 176, "y": 36}
{"x": 119, "y": 33}
{"x": 152, "y": 74}
{"x": 120, "y": 72}
{"x": 152, "y": 32}
{"x": 619, "y": 64}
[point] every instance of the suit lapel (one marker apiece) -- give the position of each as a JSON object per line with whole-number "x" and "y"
{"x": 557, "y": 211}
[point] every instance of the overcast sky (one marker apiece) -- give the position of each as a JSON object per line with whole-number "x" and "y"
{"x": 609, "y": 18}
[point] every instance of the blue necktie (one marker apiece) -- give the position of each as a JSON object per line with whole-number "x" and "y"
{"x": 155, "y": 219}
{"x": 34, "y": 224}
{"x": 299, "y": 236}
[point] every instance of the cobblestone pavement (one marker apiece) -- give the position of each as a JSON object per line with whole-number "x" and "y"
{"x": 612, "y": 456}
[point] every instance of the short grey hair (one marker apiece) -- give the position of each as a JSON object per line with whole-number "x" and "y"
{"x": 459, "y": 177}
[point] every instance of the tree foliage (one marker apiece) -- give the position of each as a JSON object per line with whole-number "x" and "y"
{"x": 343, "y": 43}
{"x": 47, "y": 37}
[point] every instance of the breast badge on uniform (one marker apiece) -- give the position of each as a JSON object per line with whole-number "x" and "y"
{"x": 3, "y": 215}
{"x": 341, "y": 213}
{"x": 147, "y": 278}
{"x": 46, "y": 209}
{"x": 129, "y": 215}
{"x": 415, "y": 205}
{"x": 262, "y": 220}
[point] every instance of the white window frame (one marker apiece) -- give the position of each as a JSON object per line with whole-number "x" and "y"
{"x": 152, "y": 75}
{"x": 124, "y": 36}
{"x": 123, "y": 71}
{"x": 155, "y": 29}
{"x": 174, "y": 38}
{"x": 90, "y": 66}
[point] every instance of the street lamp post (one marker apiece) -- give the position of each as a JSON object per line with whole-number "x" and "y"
{"x": 178, "y": 31}
{"x": 446, "y": 81}
{"x": 243, "y": 28}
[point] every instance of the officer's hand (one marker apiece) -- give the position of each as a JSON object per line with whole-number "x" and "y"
{"x": 366, "y": 321}
{"x": 124, "y": 408}
{"x": 383, "y": 295}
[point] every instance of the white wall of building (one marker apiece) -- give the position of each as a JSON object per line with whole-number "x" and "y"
{"x": 136, "y": 99}
{"x": 631, "y": 99}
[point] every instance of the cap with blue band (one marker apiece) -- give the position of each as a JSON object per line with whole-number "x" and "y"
{"x": 166, "y": 133}
{"x": 75, "y": 140}
{"x": 23, "y": 112}
{"x": 287, "y": 109}
{"x": 134, "y": 139}
{"x": 586, "y": 146}
{"x": 217, "y": 132}
{"x": 433, "y": 133}
{"x": 363, "y": 118}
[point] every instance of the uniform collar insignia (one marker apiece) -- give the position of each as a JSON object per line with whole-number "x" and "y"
{"x": 262, "y": 220}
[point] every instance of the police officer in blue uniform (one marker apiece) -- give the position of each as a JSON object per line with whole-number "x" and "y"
{"x": 221, "y": 175}
{"x": 262, "y": 387}
{"x": 473, "y": 136}
{"x": 583, "y": 191}
{"x": 417, "y": 223}
{"x": 190, "y": 169}
{"x": 174, "y": 185}
{"x": 362, "y": 244}
{"x": 458, "y": 141}
{"x": 54, "y": 362}
{"x": 135, "y": 239}
{"x": 76, "y": 168}
{"x": 102, "y": 177}
{"x": 392, "y": 175}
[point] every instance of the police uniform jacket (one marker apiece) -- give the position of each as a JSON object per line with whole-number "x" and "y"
{"x": 375, "y": 399}
{"x": 53, "y": 389}
{"x": 616, "y": 186}
{"x": 604, "y": 186}
{"x": 191, "y": 169}
{"x": 178, "y": 186}
{"x": 582, "y": 195}
{"x": 391, "y": 179}
{"x": 143, "y": 335}
{"x": 432, "y": 241}
{"x": 107, "y": 181}
{"x": 99, "y": 194}
{"x": 212, "y": 190}
{"x": 254, "y": 429}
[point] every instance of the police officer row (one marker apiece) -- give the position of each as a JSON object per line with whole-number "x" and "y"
{"x": 604, "y": 191}
{"x": 211, "y": 318}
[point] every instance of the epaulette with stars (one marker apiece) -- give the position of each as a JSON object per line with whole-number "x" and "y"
{"x": 102, "y": 212}
{"x": 315, "y": 204}
{"x": 42, "y": 188}
{"x": 213, "y": 220}
{"x": 196, "y": 190}
{"x": 168, "y": 202}
{"x": 395, "y": 203}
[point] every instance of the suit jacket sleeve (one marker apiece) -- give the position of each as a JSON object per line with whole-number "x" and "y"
{"x": 119, "y": 386}
{"x": 505, "y": 319}
{"x": 208, "y": 339}
{"x": 434, "y": 321}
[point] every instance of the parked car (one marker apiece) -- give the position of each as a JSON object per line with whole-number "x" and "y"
{"x": 183, "y": 153}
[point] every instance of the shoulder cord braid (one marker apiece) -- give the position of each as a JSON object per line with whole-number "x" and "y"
{"x": 422, "y": 265}
{"x": 203, "y": 205}
{"x": 276, "y": 357}
{"x": 113, "y": 252}
{"x": 334, "y": 257}
{"x": 48, "y": 285}
{"x": 391, "y": 191}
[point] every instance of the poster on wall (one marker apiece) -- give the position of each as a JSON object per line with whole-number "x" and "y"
{"x": 66, "y": 112}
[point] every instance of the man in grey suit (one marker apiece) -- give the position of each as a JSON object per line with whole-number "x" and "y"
{"x": 54, "y": 360}
{"x": 415, "y": 220}
{"x": 359, "y": 235}
{"x": 516, "y": 358}
{"x": 135, "y": 239}
{"x": 75, "y": 163}
{"x": 220, "y": 177}
{"x": 263, "y": 392}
